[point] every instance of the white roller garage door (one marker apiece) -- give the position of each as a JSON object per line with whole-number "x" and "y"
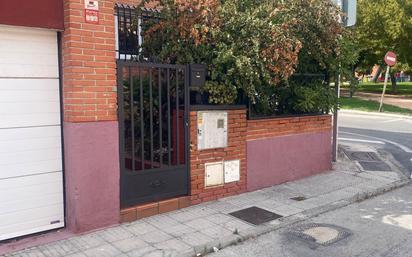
{"x": 31, "y": 184}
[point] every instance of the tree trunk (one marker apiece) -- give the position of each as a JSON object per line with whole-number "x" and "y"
{"x": 376, "y": 76}
{"x": 354, "y": 82}
{"x": 394, "y": 84}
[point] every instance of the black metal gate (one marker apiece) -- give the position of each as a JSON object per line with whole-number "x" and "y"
{"x": 153, "y": 116}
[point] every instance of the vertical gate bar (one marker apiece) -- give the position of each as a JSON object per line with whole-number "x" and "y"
{"x": 169, "y": 159}
{"x": 118, "y": 31}
{"x": 121, "y": 128}
{"x": 132, "y": 116}
{"x": 160, "y": 118}
{"x": 151, "y": 116}
{"x": 131, "y": 32}
{"x": 141, "y": 117}
{"x": 125, "y": 31}
{"x": 177, "y": 117}
{"x": 187, "y": 126}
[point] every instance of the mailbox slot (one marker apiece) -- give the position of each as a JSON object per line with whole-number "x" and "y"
{"x": 197, "y": 75}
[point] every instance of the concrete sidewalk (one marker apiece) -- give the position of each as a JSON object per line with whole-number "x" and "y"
{"x": 198, "y": 230}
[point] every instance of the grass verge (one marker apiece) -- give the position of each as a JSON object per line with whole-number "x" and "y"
{"x": 370, "y": 106}
{"x": 404, "y": 88}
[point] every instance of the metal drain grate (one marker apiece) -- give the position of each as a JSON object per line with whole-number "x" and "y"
{"x": 320, "y": 234}
{"x": 255, "y": 215}
{"x": 363, "y": 156}
{"x": 299, "y": 198}
{"x": 375, "y": 166}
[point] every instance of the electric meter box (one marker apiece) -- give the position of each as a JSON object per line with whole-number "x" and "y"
{"x": 212, "y": 127}
{"x": 214, "y": 174}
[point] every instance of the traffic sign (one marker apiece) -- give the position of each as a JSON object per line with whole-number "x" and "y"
{"x": 390, "y": 58}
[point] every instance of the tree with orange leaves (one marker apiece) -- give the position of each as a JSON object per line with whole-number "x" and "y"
{"x": 251, "y": 47}
{"x": 183, "y": 33}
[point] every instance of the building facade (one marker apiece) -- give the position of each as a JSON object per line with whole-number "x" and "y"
{"x": 88, "y": 140}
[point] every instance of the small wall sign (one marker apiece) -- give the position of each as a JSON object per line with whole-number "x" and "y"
{"x": 91, "y": 11}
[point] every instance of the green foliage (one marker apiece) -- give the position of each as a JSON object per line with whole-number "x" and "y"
{"x": 316, "y": 26}
{"x": 404, "y": 88}
{"x": 370, "y": 106}
{"x": 182, "y": 33}
{"x": 220, "y": 93}
{"x": 253, "y": 47}
{"x": 315, "y": 98}
{"x": 295, "y": 97}
{"x": 384, "y": 25}
{"x": 347, "y": 60}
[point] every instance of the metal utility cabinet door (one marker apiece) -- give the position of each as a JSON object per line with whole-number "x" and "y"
{"x": 31, "y": 187}
{"x": 212, "y": 129}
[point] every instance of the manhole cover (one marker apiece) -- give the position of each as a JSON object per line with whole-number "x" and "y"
{"x": 255, "y": 215}
{"x": 320, "y": 234}
{"x": 375, "y": 166}
{"x": 298, "y": 198}
{"x": 362, "y": 156}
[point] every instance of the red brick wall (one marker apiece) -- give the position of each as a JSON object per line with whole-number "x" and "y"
{"x": 267, "y": 128}
{"x": 89, "y": 64}
{"x": 236, "y": 150}
{"x": 90, "y": 118}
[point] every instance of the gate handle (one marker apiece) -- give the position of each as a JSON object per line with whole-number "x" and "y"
{"x": 156, "y": 183}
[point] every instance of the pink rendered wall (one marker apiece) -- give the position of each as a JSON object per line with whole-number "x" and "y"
{"x": 92, "y": 175}
{"x": 276, "y": 160}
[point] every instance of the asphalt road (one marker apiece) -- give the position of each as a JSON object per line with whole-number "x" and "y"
{"x": 392, "y": 133}
{"x": 381, "y": 227}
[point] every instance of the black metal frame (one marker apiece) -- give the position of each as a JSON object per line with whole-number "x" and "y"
{"x": 128, "y": 34}
{"x": 147, "y": 184}
{"x": 128, "y": 19}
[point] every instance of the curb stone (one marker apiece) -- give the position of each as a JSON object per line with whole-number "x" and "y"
{"x": 348, "y": 111}
{"x": 231, "y": 240}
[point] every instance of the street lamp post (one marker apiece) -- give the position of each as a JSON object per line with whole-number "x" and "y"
{"x": 349, "y": 8}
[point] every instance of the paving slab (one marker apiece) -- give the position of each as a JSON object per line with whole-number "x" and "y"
{"x": 202, "y": 228}
{"x": 129, "y": 244}
{"x": 139, "y": 228}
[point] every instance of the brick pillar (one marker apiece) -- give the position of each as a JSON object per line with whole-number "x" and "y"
{"x": 236, "y": 150}
{"x": 90, "y": 118}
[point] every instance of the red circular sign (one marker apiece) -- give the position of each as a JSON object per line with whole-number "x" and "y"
{"x": 390, "y": 58}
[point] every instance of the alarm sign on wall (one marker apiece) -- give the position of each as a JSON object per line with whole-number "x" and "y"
{"x": 91, "y": 11}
